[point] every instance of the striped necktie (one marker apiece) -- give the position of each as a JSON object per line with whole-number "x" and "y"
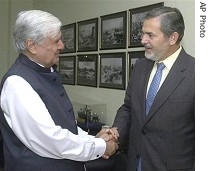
{"x": 154, "y": 86}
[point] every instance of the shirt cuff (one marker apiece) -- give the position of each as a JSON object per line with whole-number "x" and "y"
{"x": 100, "y": 148}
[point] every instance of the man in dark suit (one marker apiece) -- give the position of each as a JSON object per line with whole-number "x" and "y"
{"x": 164, "y": 138}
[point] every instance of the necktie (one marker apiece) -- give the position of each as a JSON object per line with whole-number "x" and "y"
{"x": 154, "y": 86}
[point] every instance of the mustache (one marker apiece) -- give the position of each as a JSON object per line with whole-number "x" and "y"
{"x": 147, "y": 46}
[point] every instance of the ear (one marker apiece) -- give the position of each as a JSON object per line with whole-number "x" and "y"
{"x": 31, "y": 47}
{"x": 173, "y": 38}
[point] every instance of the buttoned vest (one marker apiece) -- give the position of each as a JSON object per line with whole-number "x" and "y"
{"x": 49, "y": 87}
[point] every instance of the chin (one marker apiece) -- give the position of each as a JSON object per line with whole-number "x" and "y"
{"x": 57, "y": 58}
{"x": 150, "y": 56}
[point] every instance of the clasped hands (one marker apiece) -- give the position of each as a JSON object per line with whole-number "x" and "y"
{"x": 110, "y": 135}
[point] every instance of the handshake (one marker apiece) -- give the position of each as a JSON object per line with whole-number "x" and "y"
{"x": 110, "y": 136}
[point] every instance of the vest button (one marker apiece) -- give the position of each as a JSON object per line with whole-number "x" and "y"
{"x": 54, "y": 79}
{"x": 143, "y": 131}
{"x": 62, "y": 94}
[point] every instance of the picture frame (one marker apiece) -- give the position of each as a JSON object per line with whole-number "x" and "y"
{"x": 133, "y": 56}
{"x": 69, "y": 38}
{"x": 67, "y": 69}
{"x": 114, "y": 31}
{"x": 112, "y": 70}
{"x": 87, "y": 70}
{"x": 135, "y": 17}
{"x": 88, "y": 35}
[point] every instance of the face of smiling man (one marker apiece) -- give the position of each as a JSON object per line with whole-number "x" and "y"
{"x": 157, "y": 45}
{"x": 47, "y": 51}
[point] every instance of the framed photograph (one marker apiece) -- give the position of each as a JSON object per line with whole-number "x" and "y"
{"x": 114, "y": 30}
{"x": 132, "y": 58}
{"x": 87, "y": 70}
{"x": 67, "y": 69}
{"x": 69, "y": 38}
{"x": 112, "y": 70}
{"x": 88, "y": 35}
{"x": 136, "y": 16}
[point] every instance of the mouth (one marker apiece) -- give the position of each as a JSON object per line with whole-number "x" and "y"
{"x": 148, "y": 49}
{"x": 58, "y": 53}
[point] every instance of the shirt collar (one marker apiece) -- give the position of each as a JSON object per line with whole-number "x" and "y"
{"x": 169, "y": 61}
{"x": 51, "y": 68}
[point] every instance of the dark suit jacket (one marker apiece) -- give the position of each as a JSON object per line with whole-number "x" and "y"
{"x": 1, "y": 152}
{"x": 165, "y": 139}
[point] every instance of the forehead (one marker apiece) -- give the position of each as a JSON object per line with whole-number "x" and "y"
{"x": 151, "y": 25}
{"x": 50, "y": 38}
{"x": 54, "y": 36}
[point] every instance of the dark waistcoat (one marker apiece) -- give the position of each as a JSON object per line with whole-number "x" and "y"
{"x": 49, "y": 87}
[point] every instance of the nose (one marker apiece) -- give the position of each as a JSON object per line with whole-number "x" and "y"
{"x": 61, "y": 45}
{"x": 143, "y": 38}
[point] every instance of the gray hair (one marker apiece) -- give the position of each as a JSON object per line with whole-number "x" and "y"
{"x": 171, "y": 20}
{"x": 34, "y": 25}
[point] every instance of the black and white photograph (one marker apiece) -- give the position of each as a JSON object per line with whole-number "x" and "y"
{"x": 112, "y": 70}
{"x": 67, "y": 69}
{"x": 136, "y": 16}
{"x": 133, "y": 57}
{"x": 114, "y": 30}
{"x": 88, "y": 35}
{"x": 69, "y": 38}
{"x": 87, "y": 70}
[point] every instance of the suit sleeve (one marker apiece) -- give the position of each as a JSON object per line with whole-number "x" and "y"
{"x": 123, "y": 117}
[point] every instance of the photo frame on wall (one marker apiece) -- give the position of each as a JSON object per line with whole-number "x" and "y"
{"x": 136, "y": 15}
{"x": 69, "y": 38}
{"x": 88, "y": 35}
{"x": 112, "y": 70}
{"x": 67, "y": 69}
{"x": 114, "y": 31}
{"x": 87, "y": 70}
{"x": 133, "y": 56}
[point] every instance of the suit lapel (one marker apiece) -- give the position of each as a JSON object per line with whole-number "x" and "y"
{"x": 142, "y": 87}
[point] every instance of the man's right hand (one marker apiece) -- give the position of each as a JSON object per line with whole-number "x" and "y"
{"x": 110, "y": 135}
{"x": 111, "y": 148}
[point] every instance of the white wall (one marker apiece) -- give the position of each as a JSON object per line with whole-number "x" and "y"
{"x": 70, "y": 11}
{"x": 4, "y": 45}
{"x": 8, "y": 12}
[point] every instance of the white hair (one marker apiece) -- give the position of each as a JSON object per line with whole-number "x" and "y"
{"x": 34, "y": 25}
